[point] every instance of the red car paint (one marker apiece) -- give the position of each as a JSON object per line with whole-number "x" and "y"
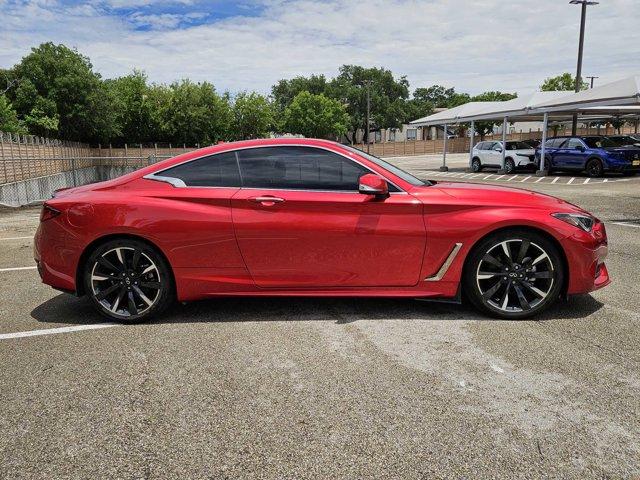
{"x": 237, "y": 241}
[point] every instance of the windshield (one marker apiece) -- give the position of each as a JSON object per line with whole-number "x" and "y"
{"x": 518, "y": 146}
{"x": 599, "y": 142}
{"x": 407, "y": 177}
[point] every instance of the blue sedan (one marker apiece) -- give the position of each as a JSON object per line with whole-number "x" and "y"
{"x": 594, "y": 155}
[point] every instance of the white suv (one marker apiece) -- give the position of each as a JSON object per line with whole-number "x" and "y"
{"x": 489, "y": 154}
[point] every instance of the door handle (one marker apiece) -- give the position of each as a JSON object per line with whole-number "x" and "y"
{"x": 267, "y": 200}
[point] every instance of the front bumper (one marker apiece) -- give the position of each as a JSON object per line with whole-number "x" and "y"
{"x": 585, "y": 258}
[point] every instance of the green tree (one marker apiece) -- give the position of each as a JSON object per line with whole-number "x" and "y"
{"x": 42, "y": 120}
{"x": 8, "y": 117}
{"x": 132, "y": 108}
{"x": 253, "y": 116}
{"x": 285, "y": 91}
{"x": 316, "y": 116}
{"x": 388, "y": 96}
{"x": 66, "y": 78}
{"x": 485, "y": 127}
{"x": 564, "y": 81}
{"x": 193, "y": 113}
{"x": 439, "y": 97}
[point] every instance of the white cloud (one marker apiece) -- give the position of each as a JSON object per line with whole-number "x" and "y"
{"x": 472, "y": 45}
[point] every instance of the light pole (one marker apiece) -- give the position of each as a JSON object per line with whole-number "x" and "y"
{"x": 591, "y": 78}
{"x": 584, "y": 3}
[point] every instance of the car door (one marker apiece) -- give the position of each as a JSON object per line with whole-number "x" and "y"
{"x": 550, "y": 150}
{"x": 301, "y": 223}
{"x": 494, "y": 154}
{"x": 571, "y": 154}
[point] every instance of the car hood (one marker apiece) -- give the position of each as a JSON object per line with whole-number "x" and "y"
{"x": 493, "y": 195}
{"x": 626, "y": 148}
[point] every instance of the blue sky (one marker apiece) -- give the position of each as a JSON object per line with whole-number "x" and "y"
{"x": 473, "y": 45}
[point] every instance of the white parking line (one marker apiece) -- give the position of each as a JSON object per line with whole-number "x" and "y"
{"x": 509, "y": 179}
{"x": 16, "y": 238}
{"x": 525, "y": 179}
{"x": 14, "y": 269}
{"x": 555, "y": 179}
{"x": 52, "y": 331}
{"x": 625, "y": 224}
{"x": 586, "y": 181}
{"x": 571, "y": 180}
{"x": 490, "y": 175}
{"x": 538, "y": 180}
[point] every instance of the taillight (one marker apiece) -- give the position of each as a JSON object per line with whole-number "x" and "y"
{"x": 48, "y": 213}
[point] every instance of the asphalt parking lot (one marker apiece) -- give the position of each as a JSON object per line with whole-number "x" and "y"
{"x": 318, "y": 388}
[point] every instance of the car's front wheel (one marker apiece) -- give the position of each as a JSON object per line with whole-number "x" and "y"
{"x": 476, "y": 165}
{"x": 513, "y": 274}
{"x": 128, "y": 281}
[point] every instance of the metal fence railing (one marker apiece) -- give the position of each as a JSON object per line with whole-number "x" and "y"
{"x": 37, "y": 179}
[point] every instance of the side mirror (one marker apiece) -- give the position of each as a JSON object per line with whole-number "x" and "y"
{"x": 372, "y": 184}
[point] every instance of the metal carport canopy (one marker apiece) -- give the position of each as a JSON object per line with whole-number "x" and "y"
{"x": 602, "y": 99}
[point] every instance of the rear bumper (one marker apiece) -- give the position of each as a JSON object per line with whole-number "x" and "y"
{"x": 55, "y": 260}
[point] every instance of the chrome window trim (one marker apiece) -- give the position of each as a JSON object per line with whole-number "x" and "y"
{"x": 162, "y": 178}
{"x": 445, "y": 266}
{"x": 176, "y": 182}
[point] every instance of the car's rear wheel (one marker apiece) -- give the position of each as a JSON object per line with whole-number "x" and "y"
{"x": 514, "y": 274}
{"x": 509, "y": 165}
{"x": 128, "y": 281}
{"x": 476, "y": 165}
{"x": 594, "y": 167}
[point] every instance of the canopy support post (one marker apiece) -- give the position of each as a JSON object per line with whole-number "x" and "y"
{"x": 542, "y": 172}
{"x": 471, "y": 142}
{"x": 444, "y": 167}
{"x": 504, "y": 146}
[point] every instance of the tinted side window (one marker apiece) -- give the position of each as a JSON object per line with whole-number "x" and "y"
{"x": 572, "y": 143}
{"x": 219, "y": 170}
{"x": 558, "y": 142}
{"x": 549, "y": 143}
{"x": 302, "y": 168}
{"x": 480, "y": 146}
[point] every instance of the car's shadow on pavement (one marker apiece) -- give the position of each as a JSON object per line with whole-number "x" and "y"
{"x": 68, "y": 309}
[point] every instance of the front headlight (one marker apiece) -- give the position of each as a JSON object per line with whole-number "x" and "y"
{"x": 585, "y": 222}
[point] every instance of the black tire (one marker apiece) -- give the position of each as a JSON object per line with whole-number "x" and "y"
{"x": 128, "y": 281}
{"x": 509, "y": 166}
{"x": 594, "y": 168}
{"x": 476, "y": 165}
{"x": 515, "y": 288}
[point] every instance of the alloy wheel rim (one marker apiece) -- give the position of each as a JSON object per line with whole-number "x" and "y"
{"x": 125, "y": 281}
{"x": 515, "y": 275}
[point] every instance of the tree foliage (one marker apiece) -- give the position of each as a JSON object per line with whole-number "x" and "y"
{"x": 252, "y": 116}
{"x": 57, "y": 92}
{"x": 565, "y": 81}
{"x": 54, "y": 91}
{"x": 316, "y": 116}
{"x": 388, "y": 96}
{"x": 285, "y": 91}
{"x": 8, "y": 117}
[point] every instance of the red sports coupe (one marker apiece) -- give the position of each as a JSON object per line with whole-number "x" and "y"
{"x": 302, "y": 217}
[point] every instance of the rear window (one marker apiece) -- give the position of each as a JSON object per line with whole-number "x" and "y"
{"x": 219, "y": 170}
